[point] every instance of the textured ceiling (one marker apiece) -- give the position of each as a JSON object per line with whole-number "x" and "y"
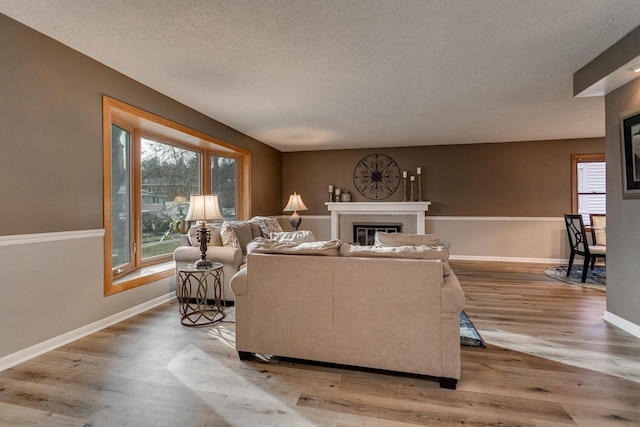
{"x": 332, "y": 74}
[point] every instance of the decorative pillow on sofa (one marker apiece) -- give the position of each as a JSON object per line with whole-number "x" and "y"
{"x": 300, "y": 236}
{"x": 267, "y": 225}
{"x": 267, "y": 246}
{"x": 236, "y": 234}
{"x": 408, "y": 252}
{"x": 214, "y": 229}
{"x": 403, "y": 239}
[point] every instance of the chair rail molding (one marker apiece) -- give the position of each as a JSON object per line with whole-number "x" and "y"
{"x": 25, "y": 239}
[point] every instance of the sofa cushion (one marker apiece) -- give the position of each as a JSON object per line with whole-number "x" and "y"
{"x": 300, "y": 236}
{"x": 214, "y": 229}
{"x": 236, "y": 234}
{"x": 408, "y": 251}
{"x": 267, "y": 246}
{"x": 267, "y": 225}
{"x": 403, "y": 239}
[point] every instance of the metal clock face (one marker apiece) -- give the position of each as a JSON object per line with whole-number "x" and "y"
{"x": 376, "y": 176}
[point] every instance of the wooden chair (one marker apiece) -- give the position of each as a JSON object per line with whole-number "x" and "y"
{"x": 599, "y": 229}
{"x": 580, "y": 246}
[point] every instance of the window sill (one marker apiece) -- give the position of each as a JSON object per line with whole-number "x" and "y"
{"x": 141, "y": 276}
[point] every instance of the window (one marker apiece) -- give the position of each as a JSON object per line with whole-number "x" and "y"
{"x": 151, "y": 167}
{"x": 223, "y": 183}
{"x": 589, "y": 181}
{"x": 171, "y": 173}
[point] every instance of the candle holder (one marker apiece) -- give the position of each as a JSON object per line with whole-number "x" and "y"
{"x": 411, "y": 198}
{"x": 330, "y": 196}
{"x": 404, "y": 189}
{"x": 420, "y": 188}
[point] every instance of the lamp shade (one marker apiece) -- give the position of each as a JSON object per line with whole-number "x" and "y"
{"x": 203, "y": 207}
{"x": 295, "y": 204}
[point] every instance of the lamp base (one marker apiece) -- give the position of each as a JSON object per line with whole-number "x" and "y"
{"x": 203, "y": 236}
{"x": 203, "y": 263}
{"x": 295, "y": 220}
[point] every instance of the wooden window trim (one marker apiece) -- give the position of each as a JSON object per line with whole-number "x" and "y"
{"x": 165, "y": 131}
{"x": 575, "y": 159}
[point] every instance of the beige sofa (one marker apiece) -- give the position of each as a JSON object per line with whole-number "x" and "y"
{"x": 383, "y": 313}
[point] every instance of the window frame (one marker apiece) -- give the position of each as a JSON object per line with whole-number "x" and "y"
{"x": 575, "y": 160}
{"x": 141, "y": 123}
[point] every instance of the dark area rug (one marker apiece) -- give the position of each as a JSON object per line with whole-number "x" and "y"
{"x": 469, "y": 336}
{"x": 596, "y": 278}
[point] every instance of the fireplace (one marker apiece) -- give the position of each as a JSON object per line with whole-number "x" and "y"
{"x": 345, "y": 214}
{"x": 364, "y": 234}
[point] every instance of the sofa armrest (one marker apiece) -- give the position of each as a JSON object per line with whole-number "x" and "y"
{"x": 239, "y": 283}
{"x": 224, "y": 254}
{"x": 452, "y": 295}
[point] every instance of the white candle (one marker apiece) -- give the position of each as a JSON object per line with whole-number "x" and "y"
{"x": 331, "y": 189}
{"x": 404, "y": 174}
{"x": 413, "y": 178}
{"x": 419, "y": 170}
{"x": 337, "y": 191}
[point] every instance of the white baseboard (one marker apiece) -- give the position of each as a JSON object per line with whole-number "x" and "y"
{"x": 508, "y": 259}
{"x": 53, "y": 343}
{"x": 621, "y": 323}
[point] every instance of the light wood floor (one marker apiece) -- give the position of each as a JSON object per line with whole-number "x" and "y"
{"x": 550, "y": 360}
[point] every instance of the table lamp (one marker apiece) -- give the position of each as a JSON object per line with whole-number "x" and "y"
{"x": 203, "y": 208}
{"x": 295, "y": 204}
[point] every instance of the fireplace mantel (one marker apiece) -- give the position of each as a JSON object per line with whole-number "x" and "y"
{"x": 376, "y": 208}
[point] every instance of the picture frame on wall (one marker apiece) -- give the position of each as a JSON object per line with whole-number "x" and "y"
{"x": 631, "y": 156}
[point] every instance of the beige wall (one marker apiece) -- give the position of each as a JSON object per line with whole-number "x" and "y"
{"x": 623, "y": 215}
{"x": 51, "y": 183}
{"x": 529, "y": 179}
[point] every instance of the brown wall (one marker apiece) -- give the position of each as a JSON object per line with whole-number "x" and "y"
{"x": 502, "y": 179}
{"x": 51, "y": 134}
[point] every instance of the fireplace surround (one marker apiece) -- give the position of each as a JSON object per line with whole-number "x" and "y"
{"x": 344, "y": 214}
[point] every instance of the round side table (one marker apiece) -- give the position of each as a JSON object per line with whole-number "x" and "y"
{"x": 196, "y": 309}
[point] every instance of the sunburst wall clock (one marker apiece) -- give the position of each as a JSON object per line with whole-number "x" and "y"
{"x": 377, "y": 176}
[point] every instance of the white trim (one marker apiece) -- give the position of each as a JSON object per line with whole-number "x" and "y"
{"x": 508, "y": 259}
{"x": 456, "y": 218}
{"x": 377, "y": 208}
{"x": 53, "y": 343}
{"x": 621, "y": 323}
{"x": 24, "y": 239}
{"x": 494, "y": 218}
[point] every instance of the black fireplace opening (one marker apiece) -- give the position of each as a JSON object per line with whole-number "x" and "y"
{"x": 364, "y": 234}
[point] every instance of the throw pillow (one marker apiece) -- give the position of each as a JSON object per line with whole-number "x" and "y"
{"x": 408, "y": 252}
{"x": 300, "y": 236}
{"x": 267, "y": 225}
{"x": 236, "y": 234}
{"x": 255, "y": 229}
{"x": 266, "y": 246}
{"x": 403, "y": 239}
